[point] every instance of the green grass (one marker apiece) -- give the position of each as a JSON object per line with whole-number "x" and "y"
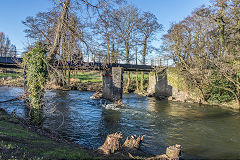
{"x": 18, "y": 142}
{"x": 13, "y": 75}
{"x": 85, "y": 77}
{"x": 134, "y": 75}
{"x": 66, "y": 153}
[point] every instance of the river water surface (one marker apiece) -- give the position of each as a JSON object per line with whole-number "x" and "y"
{"x": 203, "y": 131}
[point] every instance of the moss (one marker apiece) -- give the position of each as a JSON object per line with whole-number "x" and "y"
{"x": 180, "y": 82}
{"x": 176, "y": 80}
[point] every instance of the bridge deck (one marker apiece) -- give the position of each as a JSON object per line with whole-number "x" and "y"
{"x": 10, "y": 62}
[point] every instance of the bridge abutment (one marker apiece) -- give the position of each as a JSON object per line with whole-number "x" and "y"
{"x": 158, "y": 85}
{"x": 113, "y": 84}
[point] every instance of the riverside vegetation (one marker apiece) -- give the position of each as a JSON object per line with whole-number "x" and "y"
{"x": 92, "y": 81}
{"x": 204, "y": 48}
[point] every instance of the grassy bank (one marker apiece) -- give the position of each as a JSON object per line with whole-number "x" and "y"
{"x": 19, "y": 141}
{"x": 86, "y": 77}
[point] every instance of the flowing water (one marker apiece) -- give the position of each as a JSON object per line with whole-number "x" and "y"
{"x": 203, "y": 131}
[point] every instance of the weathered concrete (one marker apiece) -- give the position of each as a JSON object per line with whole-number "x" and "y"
{"x": 113, "y": 84}
{"x": 158, "y": 85}
{"x": 167, "y": 85}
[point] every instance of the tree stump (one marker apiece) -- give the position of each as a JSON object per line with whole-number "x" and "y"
{"x": 173, "y": 152}
{"x": 133, "y": 142}
{"x": 111, "y": 144}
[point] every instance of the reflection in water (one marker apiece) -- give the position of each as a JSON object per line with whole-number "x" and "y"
{"x": 203, "y": 131}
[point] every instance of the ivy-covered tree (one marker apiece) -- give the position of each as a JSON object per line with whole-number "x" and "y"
{"x": 34, "y": 63}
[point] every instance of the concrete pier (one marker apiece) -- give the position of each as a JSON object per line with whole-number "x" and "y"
{"x": 113, "y": 84}
{"x": 158, "y": 85}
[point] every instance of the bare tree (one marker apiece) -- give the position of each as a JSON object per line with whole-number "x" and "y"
{"x": 6, "y": 48}
{"x": 125, "y": 21}
{"x": 148, "y": 27}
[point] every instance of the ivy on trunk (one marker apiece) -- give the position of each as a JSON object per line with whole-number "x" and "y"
{"x": 36, "y": 74}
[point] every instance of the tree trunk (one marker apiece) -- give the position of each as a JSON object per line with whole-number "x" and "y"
{"x": 108, "y": 52}
{"x": 113, "y": 54}
{"x": 144, "y": 51}
{"x": 127, "y": 52}
{"x": 57, "y": 36}
{"x": 173, "y": 152}
{"x": 144, "y": 61}
{"x": 137, "y": 83}
{"x": 136, "y": 55}
{"x": 128, "y": 62}
{"x": 133, "y": 142}
{"x": 142, "y": 82}
{"x": 69, "y": 76}
{"x": 128, "y": 81}
{"x": 111, "y": 144}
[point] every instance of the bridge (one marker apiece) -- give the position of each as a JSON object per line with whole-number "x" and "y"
{"x": 12, "y": 62}
{"x": 112, "y": 74}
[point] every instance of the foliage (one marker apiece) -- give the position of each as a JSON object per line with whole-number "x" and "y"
{"x": 176, "y": 80}
{"x": 220, "y": 90}
{"x": 36, "y": 73}
{"x": 205, "y": 46}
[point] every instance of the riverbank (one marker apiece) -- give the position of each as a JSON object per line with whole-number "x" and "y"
{"x": 21, "y": 140}
{"x": 81, "y": 86}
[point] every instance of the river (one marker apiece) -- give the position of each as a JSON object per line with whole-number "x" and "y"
{"x": 203, "y": 131}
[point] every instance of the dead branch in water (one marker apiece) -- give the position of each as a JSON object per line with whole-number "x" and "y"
{"x": 14, "y": 99}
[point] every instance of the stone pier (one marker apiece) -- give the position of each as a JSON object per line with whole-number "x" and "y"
{"x": 113, "y": 84}
{"x": 158, "y": 85}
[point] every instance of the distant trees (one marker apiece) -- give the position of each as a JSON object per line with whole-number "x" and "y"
{"x": 119, "y": 27}
{"x": 148, "y": 26}
{"x": 205, "y": 46}
{"x": 6, "y": 48}
{"x": 105, "y": 29}
{"x": 124, "y": 21}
